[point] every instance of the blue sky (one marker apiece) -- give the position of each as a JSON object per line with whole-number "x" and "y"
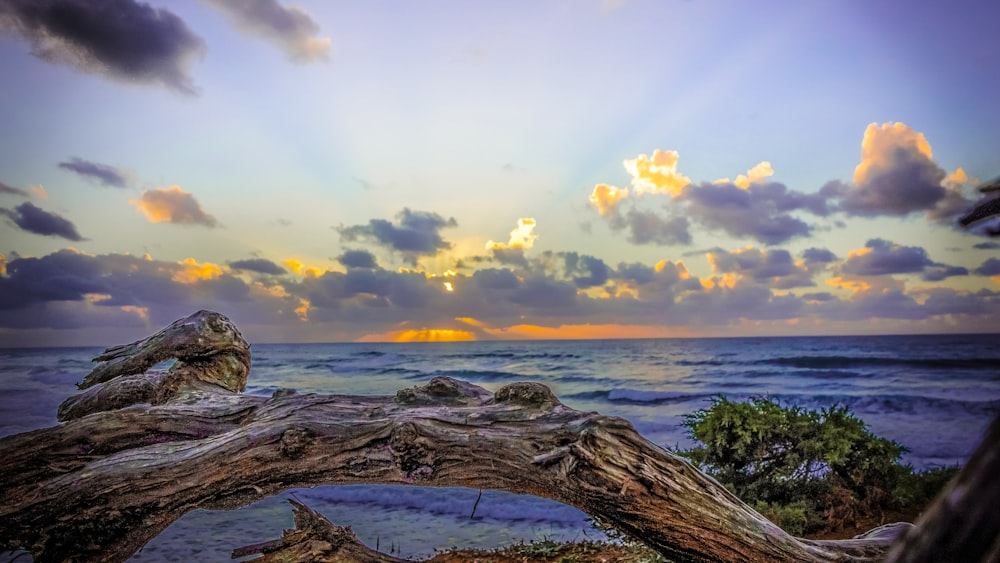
{"x": 444, "y": 170}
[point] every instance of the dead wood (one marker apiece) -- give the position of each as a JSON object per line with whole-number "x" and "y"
{"x": 100, "y": 485}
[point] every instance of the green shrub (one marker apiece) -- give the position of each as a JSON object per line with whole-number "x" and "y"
{"x": 805, "y": 469}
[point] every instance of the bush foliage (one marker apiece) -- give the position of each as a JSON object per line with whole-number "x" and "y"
{"x": 806, "y": 470}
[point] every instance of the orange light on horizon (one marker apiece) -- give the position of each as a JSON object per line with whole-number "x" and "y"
{"x": 420, "y": 335}
{"x": 587, "y": 332}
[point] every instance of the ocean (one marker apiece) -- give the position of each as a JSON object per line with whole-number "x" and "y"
{"x": 935, "y": 394}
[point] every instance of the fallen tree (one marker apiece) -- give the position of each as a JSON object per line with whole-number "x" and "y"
{"x": 139, "y": 448}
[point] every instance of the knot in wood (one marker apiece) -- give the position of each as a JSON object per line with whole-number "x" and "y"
{"x": 528, "y": 394}
{"x": 443, "y": 390}
{"x": 294, "y": 442}
{"x": 410, "y": 451}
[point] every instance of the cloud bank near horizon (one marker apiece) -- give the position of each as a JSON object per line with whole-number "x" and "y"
{"x": 514, "y": 289}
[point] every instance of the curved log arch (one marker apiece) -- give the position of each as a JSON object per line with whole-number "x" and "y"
{"x": 99, "y": 486}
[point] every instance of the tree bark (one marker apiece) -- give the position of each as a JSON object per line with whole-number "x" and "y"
{"x": 100, "y": 485}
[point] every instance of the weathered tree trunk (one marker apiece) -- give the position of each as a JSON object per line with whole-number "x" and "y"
{"x": 99, "y": 486}
{"x": 963, "y": 523}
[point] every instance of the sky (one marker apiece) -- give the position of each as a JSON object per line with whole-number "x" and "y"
{"x": 326, "y": 171}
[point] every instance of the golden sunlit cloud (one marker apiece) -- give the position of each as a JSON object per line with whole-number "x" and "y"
{"x": 96, "y": 297}
{"x": 858, "y": 252}
{"x": 957, "y": 179}
{"x": 606, "y": 198}
{"x": 192, "y": 271}
{"x": 3, "y": 265}
{"x": 449, "y": 287}
{"x": 522, "y": 236}
{"x": 302, "y": 311}
{"x": 39, "y": 192}
{"x": 657, "y": 175}
{"x": 141, "y": 312}
{"x": 172, "y": 205}
{"x": 303, "y": 270}
{"x": 755, "y": 175}
{"x": 857, "y": 286}
{"x": 880, "y": 144}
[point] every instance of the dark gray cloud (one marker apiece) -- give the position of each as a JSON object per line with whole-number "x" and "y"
{"x": 938, "y": 272}
{"x": 904, "y": 181}
{"x": 371, "y": 287}
{"x": 988, "y": 245}
{"x": 882, "y": 257}
{"x": 495, "y": 278}
{"x": 33, "y": 219}
{"x": 586, "y": 271}
{"x": 5, "y": 189}
{"x": 888, "y": 304}
{"x": 121, "y": 39}
{"x": 358, "y": 259}
{"x": 774, "y": 267}
{"x": 545, "y": 293}
{"x": 818, "y": 256}
{"x": 636, "y": 272}
{"x": 760, "y": 212}
{"x": 102, "y": 173}
{"x": 416, "y": 234}
{"x": 646, "y": 227}
{"x": 291, "y": 28}
{"x": 46, "y": 291}
{"x": 511, "y": 256}
{"x": 258, "y": 265}
{"x": 991, "y": 267}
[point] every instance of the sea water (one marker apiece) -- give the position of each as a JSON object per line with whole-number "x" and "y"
{"x": 935, "y": 394}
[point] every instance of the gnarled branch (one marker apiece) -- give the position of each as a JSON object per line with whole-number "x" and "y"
{"x": 99, "y": 486}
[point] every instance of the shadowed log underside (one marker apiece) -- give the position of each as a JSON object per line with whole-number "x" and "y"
{"x": 101, "y": 485}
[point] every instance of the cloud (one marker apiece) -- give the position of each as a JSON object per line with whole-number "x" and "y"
{"x": 656, "y": 175}
{"x": 523, "y": 236}
{"x": 606, "y": 198}
{"x": 124, "y": 40}
{"x": 5, "y": 189}
{"x": 33, "y": 219}
{"x": 646, "y": 227}
{"x": 747, "y": 207}
{"x": 896, "y": 176}
{"x": 290, "y": 28}
{"x": 818, "y": 256}
{"x": 415, "y": 235}
{"x": 102, "y": 173}
{"x": 760, "y": 211}
{"x": 988, "y": 245}
{"x": 755, "y": 175}
{"x": 173, "y": 205}
{"x": 881, "y": 257}
{"x": 773, "y": 267}
{"x": 494, "y": 278}
{"x": 258, "y": 265}
{"x": 586, "y": 271}
{"x": 358, "y": 259}
{"x": 991, "y": 267}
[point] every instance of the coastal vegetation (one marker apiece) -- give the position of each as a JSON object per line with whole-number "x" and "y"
{"x": 809, "y": 471}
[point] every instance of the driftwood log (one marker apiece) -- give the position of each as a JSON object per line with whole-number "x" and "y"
{"x": 139, "y": 448}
